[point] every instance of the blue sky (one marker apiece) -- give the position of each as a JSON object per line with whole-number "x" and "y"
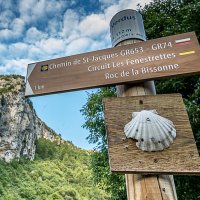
{"x": 36, "y": 30}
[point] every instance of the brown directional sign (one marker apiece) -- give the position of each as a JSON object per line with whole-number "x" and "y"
{"x": 153, "y": 59}
{"x": 180, "y": 158}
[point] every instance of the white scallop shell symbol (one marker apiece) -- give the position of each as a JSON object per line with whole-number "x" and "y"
{"x": 153, "y": 132}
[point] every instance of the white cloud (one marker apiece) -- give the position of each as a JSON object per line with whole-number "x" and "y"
{"x": 33, "y": 35}
{"x": 93, "y": 25}
{"x": 6, "y": 4}
{"x": 3, "y": 51}
{"x": 17, "y": 25}
{"x": 7, "y": 14}
{"x": 14, "y": 31}
{"x": 32, "y": 10}
{"x": 53, "y": 27}
{"x": 83, "y": 44}
{"x": 3, "y": 48}
{"x": 5, "y": 19}
{"x": 78, "y": 46}
{"x": 54, "y": 5}
{"x": 18, "y": 50}
{"x": 70, "y": 23}
{"x": 36, "y": 53}
{"x": 15, "y": 66}
{"x": 6, "y": 34}
{"x": 106, "y": 3}
{"x": 51, "y": 46}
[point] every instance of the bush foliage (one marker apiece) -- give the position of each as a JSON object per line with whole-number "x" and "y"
{"x": 58, "y": 172}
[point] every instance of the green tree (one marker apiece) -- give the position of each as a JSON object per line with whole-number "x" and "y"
{"x": 60, "y": 171}
{"x": 161, "y": 18}
{"x": 94, "y": 122}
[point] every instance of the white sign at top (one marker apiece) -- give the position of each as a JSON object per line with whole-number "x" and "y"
{"x": 127, "y": 24}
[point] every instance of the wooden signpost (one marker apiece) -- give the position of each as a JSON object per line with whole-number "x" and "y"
{"x": 141, "y": 186}
{"x": 154, "y": 59}
{"x": 180, "y": 158}
{"x": 132, "y": 61}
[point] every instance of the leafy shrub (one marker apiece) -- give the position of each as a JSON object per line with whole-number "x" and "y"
{"x": 49, "y": 177}
{"x": 45, "y": 149}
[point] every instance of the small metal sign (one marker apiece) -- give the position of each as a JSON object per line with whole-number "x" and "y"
{"x": 127, "y": 24}
{"x": 180, "y": 156}
{"x": 153, "y": 59}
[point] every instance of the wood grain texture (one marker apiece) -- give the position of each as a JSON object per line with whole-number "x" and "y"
{"x": 167, "y": 187}
{"x": 180, "y": 158}
{"x": 142, "y": 188}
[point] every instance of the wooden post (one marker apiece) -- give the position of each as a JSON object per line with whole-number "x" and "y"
{"x": 145, "y": 187}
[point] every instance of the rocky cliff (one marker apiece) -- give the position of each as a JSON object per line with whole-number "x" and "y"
{"x": 19, "y": 125}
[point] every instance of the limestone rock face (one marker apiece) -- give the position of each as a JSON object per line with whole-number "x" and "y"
{"x": 19, "y": 124}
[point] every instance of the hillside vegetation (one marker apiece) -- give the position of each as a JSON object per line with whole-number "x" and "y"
{"x": 58, "y": 172}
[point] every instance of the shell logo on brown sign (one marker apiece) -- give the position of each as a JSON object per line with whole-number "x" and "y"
{"x": 44, "y": 68}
